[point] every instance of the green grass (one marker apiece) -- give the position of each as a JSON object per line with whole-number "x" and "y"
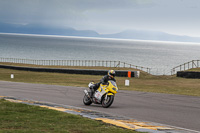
{"x": 194, "y": 69}
{"x": 67, "y": 67}
{"x": 21, "y": 118}
{"x": 146, "y": 83}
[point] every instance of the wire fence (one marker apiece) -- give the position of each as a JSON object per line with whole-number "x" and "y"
{"x": 86, "y": 63}
{"x": 186, "y": 66}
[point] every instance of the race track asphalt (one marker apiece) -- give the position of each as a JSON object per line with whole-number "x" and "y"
{"x": 175, "y": 110}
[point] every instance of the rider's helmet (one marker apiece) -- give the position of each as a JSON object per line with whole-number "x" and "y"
{"x": 111, "y": 73}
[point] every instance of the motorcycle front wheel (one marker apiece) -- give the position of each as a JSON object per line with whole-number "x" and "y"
{"x": 86, "y": 100}
{"x": 108, "y": 101}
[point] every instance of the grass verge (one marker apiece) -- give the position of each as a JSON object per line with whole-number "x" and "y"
{"x": 194, "y": 69}
{"x": 17, "y": 117}
{"x": 146, "y": 83}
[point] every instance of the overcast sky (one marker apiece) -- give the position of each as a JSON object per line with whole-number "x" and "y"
{"x": 181, "y": 17}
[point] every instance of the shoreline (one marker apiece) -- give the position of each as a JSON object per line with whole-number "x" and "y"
{"x": 101, "y": 38}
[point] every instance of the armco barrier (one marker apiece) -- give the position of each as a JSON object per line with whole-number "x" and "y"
{"x": 71, "y": 71}
{"x": 188, "y": 74}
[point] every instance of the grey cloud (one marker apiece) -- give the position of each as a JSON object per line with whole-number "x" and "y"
{"x": 104, "y": 15}
{"x": 59, "y": 12}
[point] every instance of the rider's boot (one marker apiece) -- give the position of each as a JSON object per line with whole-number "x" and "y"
{"x": 93, "y": 88}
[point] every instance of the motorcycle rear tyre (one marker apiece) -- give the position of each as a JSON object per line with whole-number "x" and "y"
{"x": 86, "y": 100}
{"x": 108, "y": 103}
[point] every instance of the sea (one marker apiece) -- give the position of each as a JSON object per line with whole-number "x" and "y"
{"x": 160, "y": 56}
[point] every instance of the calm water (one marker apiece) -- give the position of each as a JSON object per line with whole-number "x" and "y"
{"x": 160, "y": 56}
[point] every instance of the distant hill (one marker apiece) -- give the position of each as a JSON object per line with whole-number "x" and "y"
{"x": 128, "y": 34}
{"x": 151, "y": 35}
{"x": 41, "y": 29}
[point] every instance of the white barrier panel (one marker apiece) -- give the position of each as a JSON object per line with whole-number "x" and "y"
{"x": 137, "y": 74}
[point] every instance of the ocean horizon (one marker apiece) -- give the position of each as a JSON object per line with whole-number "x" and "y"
{"x": 63, "y": 36}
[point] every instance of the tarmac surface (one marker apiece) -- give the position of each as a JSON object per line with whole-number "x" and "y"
{"x": 175, "y": 110}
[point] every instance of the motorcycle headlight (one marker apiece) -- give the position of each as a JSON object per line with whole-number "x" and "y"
{"x": 114, "y": 89}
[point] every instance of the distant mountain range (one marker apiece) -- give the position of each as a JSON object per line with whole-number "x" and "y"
{"x": 45, "y": 30}
{"x": 151, "y": 35}
{"x": 128, "y": 34}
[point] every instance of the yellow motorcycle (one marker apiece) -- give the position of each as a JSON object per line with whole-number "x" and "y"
{"x": 104, "y": 95}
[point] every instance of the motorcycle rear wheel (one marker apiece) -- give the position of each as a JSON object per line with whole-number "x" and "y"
{"x": 108, "y": 102}
{"x": 86, "y": 100}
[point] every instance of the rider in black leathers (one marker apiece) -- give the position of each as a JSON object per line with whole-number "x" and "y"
{"x": 104, "y": 80}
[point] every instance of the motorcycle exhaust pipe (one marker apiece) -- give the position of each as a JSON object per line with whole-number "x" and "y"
{"x": 87, "y": 94}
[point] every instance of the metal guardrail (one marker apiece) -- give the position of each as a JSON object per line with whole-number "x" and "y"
{"x": 87, "y": 63}
{"x": 186, "y": 66}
